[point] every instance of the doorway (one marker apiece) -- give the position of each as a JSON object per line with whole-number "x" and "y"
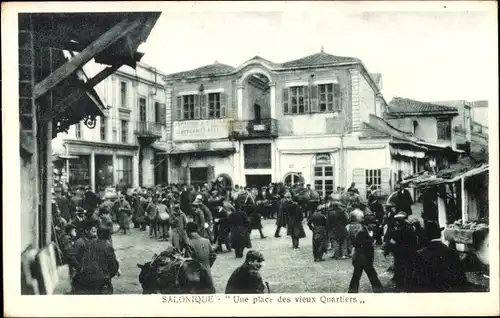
{"x": 258, "y": 180}
{"x": 257, "y": 112}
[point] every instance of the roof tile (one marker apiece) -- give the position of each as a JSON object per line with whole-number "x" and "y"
{"x": 403, "y": 106}
{"x": 207, "y": 70}
{"x": 318, "y": 59}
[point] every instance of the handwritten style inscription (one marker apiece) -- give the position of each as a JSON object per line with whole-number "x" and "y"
{"x": 201, "y": 129}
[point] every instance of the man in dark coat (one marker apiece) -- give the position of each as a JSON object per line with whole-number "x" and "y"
{"x": 378, "y": 210}
{"x": 317, "y": 224}
{"x": 337, "y": 232}
{"x": 186, "y": 200}
{"x": 353, "y": 189}
{"x": 239, "y": 224}
{"x": 363, "y": 256}
{"x": 403, "y": 245}
{"x": 246, "y": 279}
{"x": 404, "y": 200}
{"x": 437, "y": 267}
{"x": 222, "y": 229}
{"x": 295, "y": 228}
{"x": 199, "y": 248}
{"x": 281, "y": 218}
{"x": 94, "y": 262}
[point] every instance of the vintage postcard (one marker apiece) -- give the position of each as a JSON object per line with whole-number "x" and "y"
{"x": 250, "y": 158}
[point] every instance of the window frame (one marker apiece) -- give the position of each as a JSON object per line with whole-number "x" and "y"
{"x": 186, "y": 103}
{"x": 373, "y": 175}
{"x": 213, "y": 106}
{"x": 142, "y": 110}
{"x": 103, "y": 129}
{"x": 311, "y": 96}
{"x": 125, "y": 170}
{"x": 124, "y": 131}
{"x": 439, "y": 129}
{"x": 124, "y": 94}
{"x": 323, "y": 178}
{"x": 78, "y": 130}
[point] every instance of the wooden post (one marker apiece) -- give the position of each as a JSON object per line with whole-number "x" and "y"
{"x": 104, "y": 41}
{"x": 48, "y": 182}
{"x": 465, "y": 215}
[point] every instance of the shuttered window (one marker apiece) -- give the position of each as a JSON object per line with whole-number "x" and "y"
{"x": 78, "y": 130}
{"x": 214, "y": 106}
{"x": 142, "y": 109}
{"x": 444, "y": 129}
{"x": 160, "y": 115}
{"x": 188, "y": 103}
{"x": 124, "y": 131}
{"x": 366, "y": 177}
{"x": 373, "y": 177}
{"x": 103, "y": 128}
{"x": 123, "y": 95}
{"x": 311, "y": 99}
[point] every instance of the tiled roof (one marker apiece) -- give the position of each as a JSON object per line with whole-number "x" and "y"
{"x": 406, "y": 106}
{"x": 318, "y": 59}
{"x": 207, "y": 70}
{"x": 368, "y": 131}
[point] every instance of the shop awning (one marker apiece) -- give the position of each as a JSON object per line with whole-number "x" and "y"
{"x": 407, "y": 149}
{"x": 426, "y": 180}
{"x": 201, "y": 151}
{"x": 438, "y": 147}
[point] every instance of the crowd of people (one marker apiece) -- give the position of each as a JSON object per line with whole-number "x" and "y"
{"x": 201, "y": 221}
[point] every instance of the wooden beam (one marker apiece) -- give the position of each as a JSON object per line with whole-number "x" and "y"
{"x": 111, "y": 36}
{"x": 79, "y": 92}
{"x": 102, "y": 75}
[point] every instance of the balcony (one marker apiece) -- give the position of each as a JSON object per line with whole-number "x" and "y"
{"x": 147, "y": 131}
{"x": 249, "y": 129}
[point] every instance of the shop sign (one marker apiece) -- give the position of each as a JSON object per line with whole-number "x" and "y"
{"x": 201, "y": 129}
{"x": 323, "y": 158}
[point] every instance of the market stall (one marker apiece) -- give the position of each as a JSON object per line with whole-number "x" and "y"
{"x": 457, "y": 197}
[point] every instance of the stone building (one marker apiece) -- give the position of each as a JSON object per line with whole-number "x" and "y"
{"x": 263, "y": 122}
{"x": 121, "y": 149}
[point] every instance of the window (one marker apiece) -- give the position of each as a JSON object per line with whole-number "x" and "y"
{"x": 312, "y": 99}
{"x": 123, "y": 95}
{"x": 157, "y": 113}
{"x": 214, "y": 109}
{"x": 323, "y": 179}
{"x": 79, "y": 171}
{"x": 329, "y": 97}
{"x": 257, "y": 156}
{"x": 298, "y": 100}
{"x": 103, "y": 128}
{"x": 373, "y": 177}
{"x": 444, "y": 129}
{"x": 124, "y": 170}
{"x": 124, "y": 127}
{"x": 142, "y": 109}
{"x": 78, "y": 130}
{"x": 188, "y": 107}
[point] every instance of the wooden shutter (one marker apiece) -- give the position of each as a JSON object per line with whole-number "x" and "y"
{"x": 204, "y": 106}
{"x": 359, "y": 178}
{"x": 223, "y": 105}
{"x": 306, "y": 99}
{"x": 285, "y": 100}
{"x": 178, "y": 108}
{"x": 197, "y": 112}
{"x": 210, "y": 173}
{"x": 336, "y": 97}
{"x": 385, "y": 177}
{"x": 162, "y": 112}
{"x": 314, "y": 98}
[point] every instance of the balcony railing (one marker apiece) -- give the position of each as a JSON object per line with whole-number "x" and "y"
{"x": 246, "y": 129}
{"x": 148, "y": 129}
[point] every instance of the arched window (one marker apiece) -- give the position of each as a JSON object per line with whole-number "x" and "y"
{"x": 293, "y": 177}
{"x": 323, "y": 175}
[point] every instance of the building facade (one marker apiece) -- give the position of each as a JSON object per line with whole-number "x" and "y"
{"x": 121, "y": 149}
{"x": 265, "y": 122}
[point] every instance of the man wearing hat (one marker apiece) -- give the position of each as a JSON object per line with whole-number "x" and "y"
{"x": 317, "y": 224}
{"x": 437, "y": 266}
{"x": 68, "y": 241}
{"x": 94, "y": 262}
{"x": 363, "y": 256}
{"x": 238, "y": 224}
{"x": 246, "y": 279}
{"x": 336, "y": 226}
{"x": 178, "y": 221}
{"x": 295, "y": 229}
{"x": 282, "y": 217}
{"x": 403, "y": 245}
{"x": 199, "y": 248}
